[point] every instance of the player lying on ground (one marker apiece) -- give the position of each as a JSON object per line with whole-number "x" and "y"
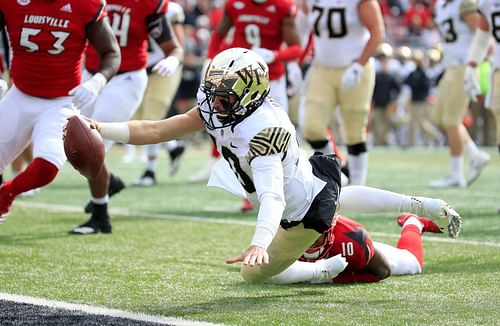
{"x": 297, "y": 196}
{"x": 347, "y": 254}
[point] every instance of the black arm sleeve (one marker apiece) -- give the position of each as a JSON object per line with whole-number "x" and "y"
{"x": 159, "y": 28}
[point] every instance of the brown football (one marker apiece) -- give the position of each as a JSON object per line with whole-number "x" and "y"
{"x": 83, "y": 147}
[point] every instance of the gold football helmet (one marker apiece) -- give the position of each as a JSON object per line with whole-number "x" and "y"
{"x": 237, "y": 78}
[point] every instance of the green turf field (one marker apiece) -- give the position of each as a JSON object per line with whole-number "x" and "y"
{"x": 165, "y": 256}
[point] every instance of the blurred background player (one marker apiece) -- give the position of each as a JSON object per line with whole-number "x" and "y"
{"x": 132, "y": 23}
{"x": 456, "y": 21}
{"x": 414, "y": 96}
{"x": 36, "y": 106}
{"x": 346, "y": 35}
{"x": 158, "y": 98}
{"x": 385, "y": 94}
{"x": 487, "y": 26}
{"x": 268, "y": 28}
{"x": 346, "y": 254}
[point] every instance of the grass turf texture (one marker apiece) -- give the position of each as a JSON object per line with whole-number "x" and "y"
{"x": 165, "y": 256}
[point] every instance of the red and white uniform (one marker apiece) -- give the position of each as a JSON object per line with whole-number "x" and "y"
{"x": 258, "y": 25}
{"x": 350, "y": 239}
{"x": 47, "y": 39}
{"x": 128, "y": 20}
{"x": 123, "y": 94}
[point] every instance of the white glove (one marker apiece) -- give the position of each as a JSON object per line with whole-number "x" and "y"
{"x": 166, "y": 67}
{"x": 86, "y": 94}
{"x": 294, "y": 76}
{"x": 352, "y": 76}
{"x": 471, "y": 85}
{"x": 266, "y": 54}
{"x": 3, "y": 87}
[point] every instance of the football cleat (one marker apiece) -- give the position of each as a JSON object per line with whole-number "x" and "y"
{"x": 449, "y": 181}
{"x": 148, "y": 179}
{"x": 93, "y": 226}
{"x": 116, "y": 185}
{"x": 476, "y": 165}
{"x": 427, "y": 223}
{"x": 246, "y": 206}
{"x": 6, "y": 200}
{"x": 175, "y": 158}
{"x": 440, "y": 211}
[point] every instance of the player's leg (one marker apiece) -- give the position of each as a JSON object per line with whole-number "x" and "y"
{"x": 452, "y": 102}
{"x": 319, "y": 106}
{"x": 495, "y": 107}
{"x": 117, "y": 102}
{"x": 362, "y": 199}
{"x": 287, "y": 246}
{"x": 46, "y": 136}
{"x": 355, "y": 108}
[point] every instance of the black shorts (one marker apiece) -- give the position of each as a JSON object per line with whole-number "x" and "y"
{"x": 320, "y": 215}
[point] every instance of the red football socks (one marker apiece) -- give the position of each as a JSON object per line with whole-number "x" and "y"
{"x": 411, "y": 240}
{"x": 39, "y": 173}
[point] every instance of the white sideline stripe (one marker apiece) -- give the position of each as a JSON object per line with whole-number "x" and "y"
{"x": 100, "y": 311}
{"x": 186, "y": 218}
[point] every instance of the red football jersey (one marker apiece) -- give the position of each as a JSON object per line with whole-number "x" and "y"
{"x": 350, "y": 239}
{"x": 48, "y": 39}
{"x": 128, "y": 20}
{"x": 258, "y": 25}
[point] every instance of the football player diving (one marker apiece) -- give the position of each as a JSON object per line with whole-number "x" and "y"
{"x": 297, "y": 196}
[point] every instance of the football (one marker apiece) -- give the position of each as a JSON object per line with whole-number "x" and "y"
{"x": 84, "y": 147}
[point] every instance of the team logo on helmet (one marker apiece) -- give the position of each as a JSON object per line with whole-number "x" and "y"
{"x": 238, "y": 79}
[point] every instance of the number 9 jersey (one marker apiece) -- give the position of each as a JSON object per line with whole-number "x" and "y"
{"x": 47, "y": 38}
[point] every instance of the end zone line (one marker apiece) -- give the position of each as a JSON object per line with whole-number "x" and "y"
{"x": 191, "y": 218}
{"x": 101, "y": 311}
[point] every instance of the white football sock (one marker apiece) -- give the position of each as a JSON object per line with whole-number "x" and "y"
{"x": 358, "y": 168}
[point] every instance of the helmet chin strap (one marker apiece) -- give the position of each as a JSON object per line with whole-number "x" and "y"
{"x": 259, "y": 1}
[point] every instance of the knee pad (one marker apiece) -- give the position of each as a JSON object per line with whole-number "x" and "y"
{"x": 318, "y": 144}
{"x": 357, "y": 149}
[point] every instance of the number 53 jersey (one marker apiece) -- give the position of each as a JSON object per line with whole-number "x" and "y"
{"x": 339, "y": 35}
{"x": 47, "y": 40}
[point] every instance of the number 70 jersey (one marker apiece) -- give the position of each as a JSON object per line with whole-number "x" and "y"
{"x": 47, "y": 40}
{"x": 339, "y": 35}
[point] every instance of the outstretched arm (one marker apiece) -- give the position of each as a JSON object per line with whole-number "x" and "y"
{"x": 142, "y": 132}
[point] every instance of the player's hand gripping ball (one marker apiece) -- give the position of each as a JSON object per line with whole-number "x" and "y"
{"x": 83, "y": 146}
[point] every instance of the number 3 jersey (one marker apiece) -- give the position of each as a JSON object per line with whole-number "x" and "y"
{"x": 264, "y": 135}
{"x": 455, "y": 33}
{"x": 129, "y": 20}
{"x": 339, "y": 35}
{"x": 47, "y": 40}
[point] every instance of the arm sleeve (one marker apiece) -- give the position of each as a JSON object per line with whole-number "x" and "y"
{"x": 159, "y": 27}
{"x": 267, "y": 174}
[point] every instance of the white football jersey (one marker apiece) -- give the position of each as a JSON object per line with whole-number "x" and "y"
{"x": 491, "y": 10}
{"x": 268, "y": 131}
{"x": 455, "y": 33}
{"x": 175, "y": 15}
{"x": 339, "y": 35}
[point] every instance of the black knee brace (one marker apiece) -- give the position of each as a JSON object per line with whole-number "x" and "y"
{"x": 318, "y": 144}
{"x": 357, "y": 149}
